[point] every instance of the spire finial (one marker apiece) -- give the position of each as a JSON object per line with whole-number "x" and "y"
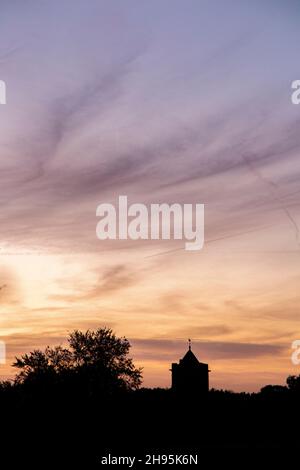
{"x": 190, "y": 344}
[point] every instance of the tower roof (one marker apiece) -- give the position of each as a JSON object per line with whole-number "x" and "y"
{"x": 189, "y": 358}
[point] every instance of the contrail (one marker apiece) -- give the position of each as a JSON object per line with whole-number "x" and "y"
{"x": 274, "y": 190}
{"x": 213, "y": 240}
{"x": 6, "y": 55}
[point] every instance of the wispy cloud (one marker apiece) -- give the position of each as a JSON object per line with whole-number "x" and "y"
{"x": 156, "y": 349}
{"x": 120, "y": 98}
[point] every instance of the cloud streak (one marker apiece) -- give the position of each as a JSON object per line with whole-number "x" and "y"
{"x": 121, "y": 98}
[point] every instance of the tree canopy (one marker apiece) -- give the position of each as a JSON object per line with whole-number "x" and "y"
{"x": 97, "y": 360}
{"x": 293, "y": 383}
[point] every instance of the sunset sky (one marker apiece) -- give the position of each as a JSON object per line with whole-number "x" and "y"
{"x": 162, "y": 101}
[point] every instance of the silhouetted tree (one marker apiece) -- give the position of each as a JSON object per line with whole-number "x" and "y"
{"x": 6, "y": 386}
{"x": 293, "y": 383}
{"x": 273, "y": 389}
{"x": 96, "y": 361}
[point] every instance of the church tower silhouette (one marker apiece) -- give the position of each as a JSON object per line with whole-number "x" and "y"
{"x": 190, "y": 376}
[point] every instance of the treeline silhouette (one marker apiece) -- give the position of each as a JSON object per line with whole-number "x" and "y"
{"x": 84, "y": 401}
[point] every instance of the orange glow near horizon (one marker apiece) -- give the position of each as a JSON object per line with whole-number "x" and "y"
{"x": 162, "y": 104}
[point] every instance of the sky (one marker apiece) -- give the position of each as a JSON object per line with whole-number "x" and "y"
{"x": 186, "y": 102}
